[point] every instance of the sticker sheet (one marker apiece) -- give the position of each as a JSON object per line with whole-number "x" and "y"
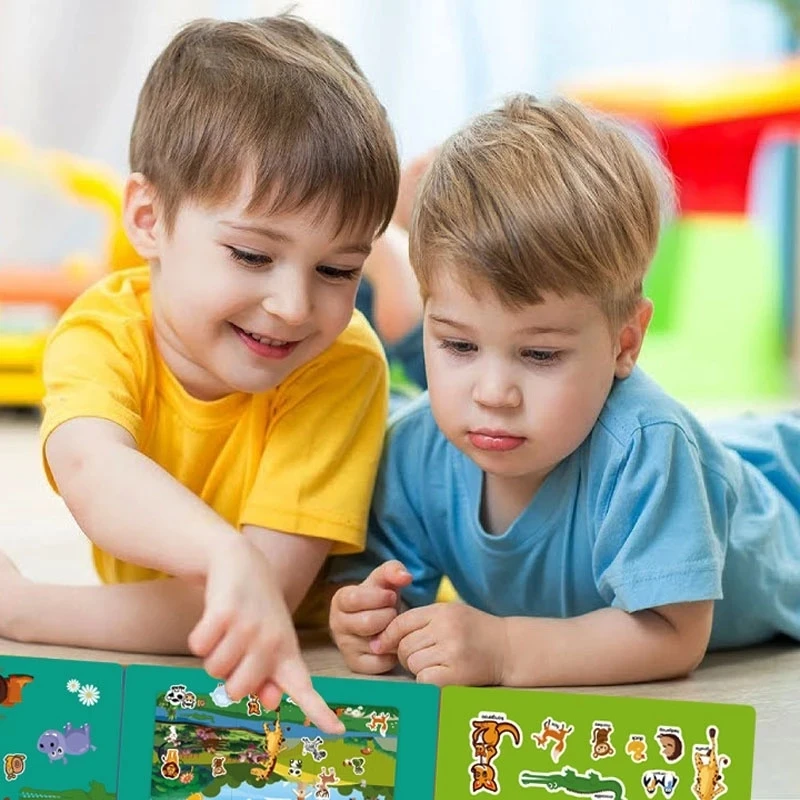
{"x": 512, "y": 744}
{"x": 59, "y": 729}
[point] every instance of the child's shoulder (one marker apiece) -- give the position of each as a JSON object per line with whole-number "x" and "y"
{"x": 114, "y": 309}
{"x": 413, "y": 429}
{"x": 638, "y": 404}
{"x": 120, "y": 297}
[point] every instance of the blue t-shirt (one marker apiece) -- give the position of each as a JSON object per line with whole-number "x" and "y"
{"x": 652, "y": 508}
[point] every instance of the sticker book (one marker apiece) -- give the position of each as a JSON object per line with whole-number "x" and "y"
{"x": 74, "y": 730}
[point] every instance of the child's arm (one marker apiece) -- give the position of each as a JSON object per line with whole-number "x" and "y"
{"x": 456, "y": 644}
{"x": 296, "y": 559}
{"x": 608, "y": 646}
{"x": 135, "y": 510}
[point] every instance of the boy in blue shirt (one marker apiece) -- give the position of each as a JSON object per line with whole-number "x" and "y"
{"x": 596, "y": 532}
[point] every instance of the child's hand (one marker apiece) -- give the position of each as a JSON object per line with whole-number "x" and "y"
{"x": 359, "y": 613}
{"x": 448, "y": 643}
{"x": 246, "y": 635}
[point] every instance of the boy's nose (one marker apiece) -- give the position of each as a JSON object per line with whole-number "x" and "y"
{"x": 495, "y": 390}
{"x": 291, "y": 304}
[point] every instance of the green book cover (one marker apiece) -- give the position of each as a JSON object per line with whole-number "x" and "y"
{"x": 536, "y": 745}
{"x": 185, "y": 739}
{"x": 59, "y": 729}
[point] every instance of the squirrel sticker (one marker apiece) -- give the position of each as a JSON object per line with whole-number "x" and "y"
{"x": 556, "y": 732}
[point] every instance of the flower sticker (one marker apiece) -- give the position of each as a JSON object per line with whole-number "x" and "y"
{"x": 73, "y": 684}
{"x": 88, "y": 694}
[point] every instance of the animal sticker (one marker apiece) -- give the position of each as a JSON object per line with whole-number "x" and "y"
{"x": 175, "y": 694}
{"x": 709, "y": 781}
{"x": 274, "y": 744}
{"x": 327, "y": 777}
{"x": 11, "y": 689}
{"x": 592, "y": 784}
{"x": 484, "y": 779}
{"x": 220, "y": 697}
{"x": 172, "y": 736}
{"x": 72, "y": 742}
{"x": 556, "y": 732}
{"x": 380, "y": 721}
{"x": 295, "y": 767}
{"x": 313, "y": 748}
{"x": 488, "y": 728}
{"x": 356, "y": 764}
{"x": 171, "y": 764}
{"x": 670, "y": 742}
{"x": 655, "y": 779}
{"x": 636, "y": 748}
{"x": 218, "y": 766}
{"x": 601, "y": 740}
{"x": 13, "y": 765}
{"x": 253, "y": 706}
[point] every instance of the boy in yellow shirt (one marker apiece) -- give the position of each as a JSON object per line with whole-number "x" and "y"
{"x": 228, "y": 387}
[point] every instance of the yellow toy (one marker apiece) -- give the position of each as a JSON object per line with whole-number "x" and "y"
{"x": 89, "y": 183}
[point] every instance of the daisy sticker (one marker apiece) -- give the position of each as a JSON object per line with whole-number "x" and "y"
{"x": 73, "y": 684}
{"x": 89, "y": 695}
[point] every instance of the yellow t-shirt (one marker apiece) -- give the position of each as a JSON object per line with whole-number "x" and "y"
{"x": 300, "y": 458}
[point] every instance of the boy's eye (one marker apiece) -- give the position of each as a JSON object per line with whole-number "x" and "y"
{"x": 249, "y": 258}
{"x": 458, "y": 347}
{"x": 338, "y": 274}
{"x": 545, "y": 357}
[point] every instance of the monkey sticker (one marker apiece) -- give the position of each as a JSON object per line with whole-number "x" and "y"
{"x": 601, "y": 740}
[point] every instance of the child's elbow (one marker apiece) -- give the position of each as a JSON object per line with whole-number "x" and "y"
{"x": 689, "y": 655}
{"x": 687, "y": 642}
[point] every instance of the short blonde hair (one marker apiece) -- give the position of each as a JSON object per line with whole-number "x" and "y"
{"x": 541, "y": 197}
{"x": 273, "y": 100}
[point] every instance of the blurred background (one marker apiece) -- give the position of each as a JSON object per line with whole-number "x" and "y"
{"x": 724, "y": 282}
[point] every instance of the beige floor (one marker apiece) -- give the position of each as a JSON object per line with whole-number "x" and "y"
{"x": 37, "y": 531}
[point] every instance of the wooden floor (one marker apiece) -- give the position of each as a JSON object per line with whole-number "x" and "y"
{"x": 37, "y": 531}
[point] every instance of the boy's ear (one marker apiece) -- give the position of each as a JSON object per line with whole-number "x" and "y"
{"x": 631, "y": 337}
{"x": 140, "y": 216}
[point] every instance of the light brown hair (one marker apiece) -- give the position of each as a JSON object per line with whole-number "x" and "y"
{"x": 272, "y": 100}
{"x": 538, "y": 197}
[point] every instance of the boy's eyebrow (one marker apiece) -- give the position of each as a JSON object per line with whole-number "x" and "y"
{"x": 357, "y": 248}
{"x": 539, "y": 329}
{"x": 533, "y": 329}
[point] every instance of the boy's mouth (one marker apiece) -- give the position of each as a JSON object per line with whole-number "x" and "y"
{"x": 265, "y": 346}
{"x": 494, "y": 440}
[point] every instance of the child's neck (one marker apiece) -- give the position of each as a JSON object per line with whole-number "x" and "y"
{"x": 504, "y": 499}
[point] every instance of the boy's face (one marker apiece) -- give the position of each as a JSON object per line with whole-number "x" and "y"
{"x": 517, "y": 391}
{"x": 241, "y": 301}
